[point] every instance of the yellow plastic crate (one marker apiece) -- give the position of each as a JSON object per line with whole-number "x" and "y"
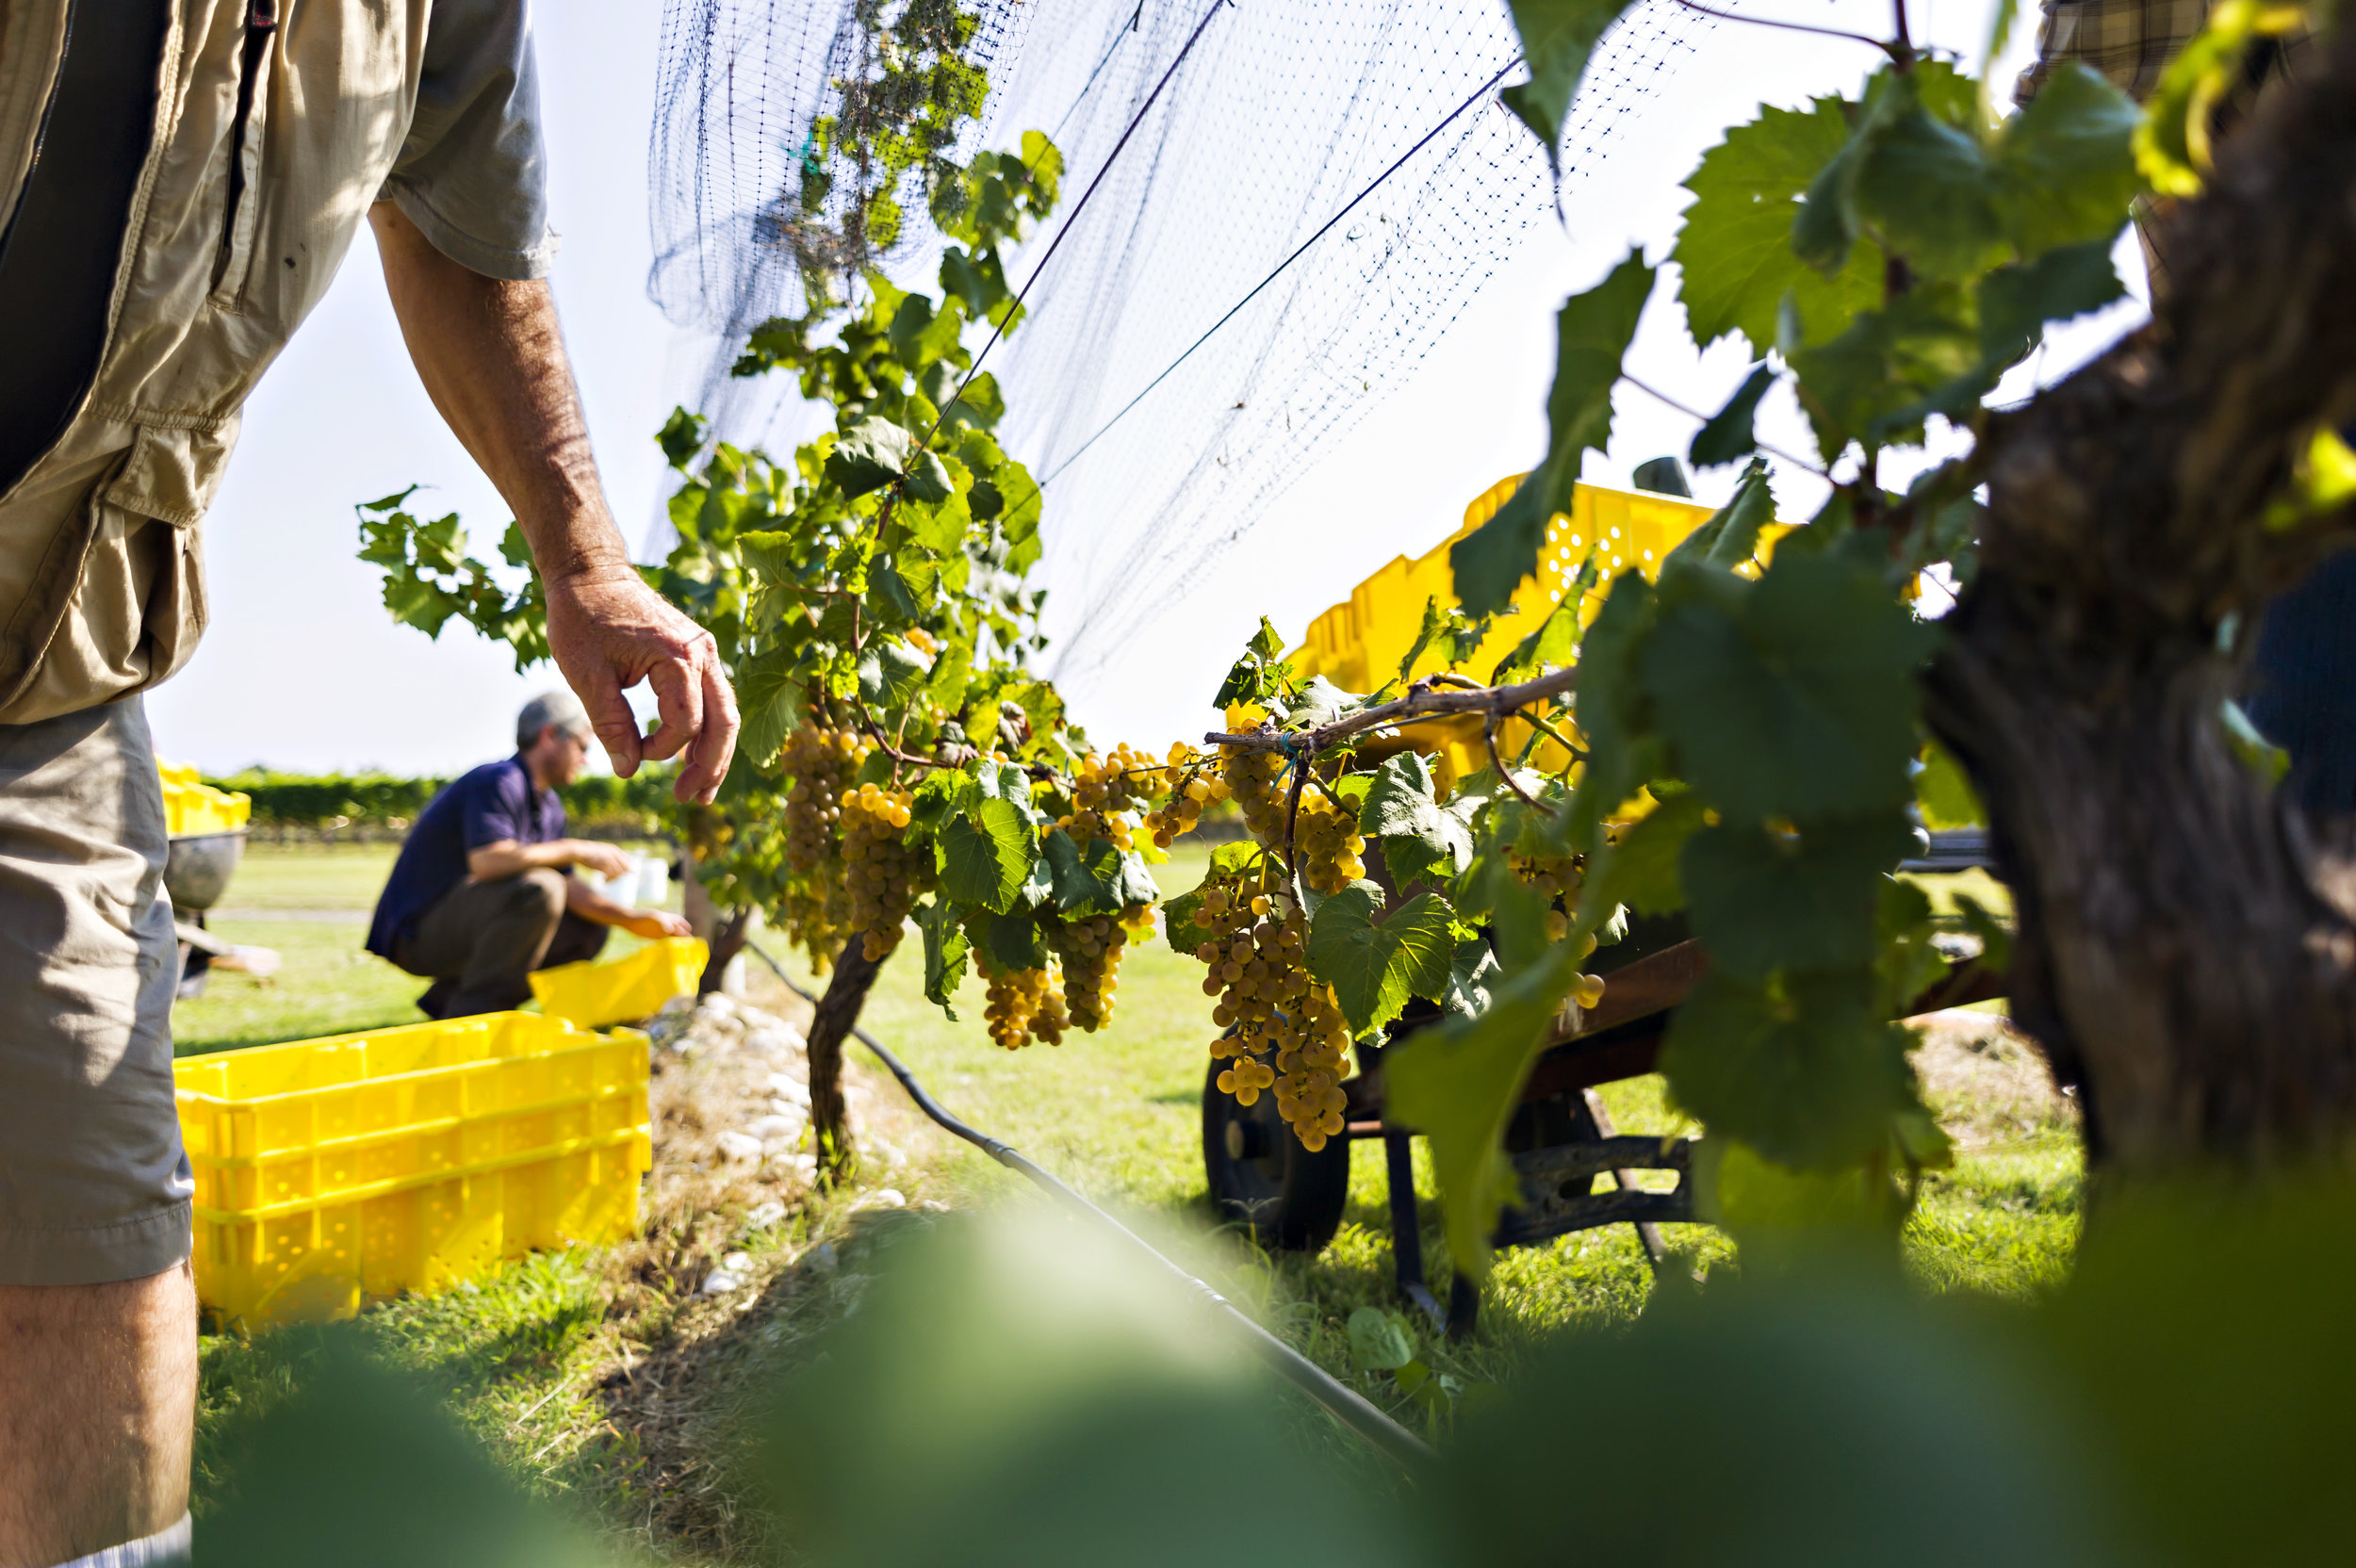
{"x": 610, "y": 990}
{"x": 330, "y": 1170}
{"x": 1357, "y": 644}
{"x": 192, "y": 806}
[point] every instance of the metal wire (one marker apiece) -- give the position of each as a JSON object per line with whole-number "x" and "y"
{"x": 1352, "y": 1409}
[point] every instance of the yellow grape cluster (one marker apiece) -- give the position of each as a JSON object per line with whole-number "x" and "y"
{"x": 1188, "y": 790}
{"x": 1559, "y": 878}
{"x": 1022, "y": 1006}
{"x": 1256, "y": 779}
{"x": 1091, "y": 950}
{"x": 1328, "y": 838}
{"x": 822, "y": 763}
{"x": 1257, "y": 950}
{"x": 1104, "y": 790}
{"x": 885, "y": 877}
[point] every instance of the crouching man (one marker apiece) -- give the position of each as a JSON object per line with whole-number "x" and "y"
{"x": 483, "y": 892}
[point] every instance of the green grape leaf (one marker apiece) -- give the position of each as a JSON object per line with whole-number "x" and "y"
{"x": 2066, "y": 163}
{"x": 1436, "y": 621}
{"x": 1797, "y": 1067}
{"x": 1943, "y": 792}
{"x": 985, "y": 854}
{"x": 1643, "y": 870}
{"x": 1416, "y": 833}
{"x": 1734, "y": 253}
{"x": 1376, "y": 970}
{"x": 2016, "y": 301}
{"x": 682, "y": 437}
{"x": 1730, "y": 436}
{"x": 941, "y": 794}
{"x": 1922, "y": 183}
{"x": 1459, "y": 1081}
{"x": 1556, "y": 38}
{"x": 1878, "y": 380}
{"x": 928, "y": 478}
{"x": 1378, "y": 1340}
{"x": 1905, "y": 960}
{"x": 945, "y": 952}
{"x": 1761, "y": 901}
{"x": 1178, "y": 927}
{"x": 1011, "y": 940}
{"x": 1730, "y": 536}
{"x": 1592, "y": 333}
{"x": 769, "y": 702}
{"x": 890, "y": 673}
{"x": 1552, "y": 646}
{"x": 1472, "y": 978}
{"x": 1793, "y": 697}
{"x": 870, "y": 455}
{"x": 1101, "y": 880}
{"x": 1614, "y": 709}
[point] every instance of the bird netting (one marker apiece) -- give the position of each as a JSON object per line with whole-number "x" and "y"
{"x": 1282, "y": 114}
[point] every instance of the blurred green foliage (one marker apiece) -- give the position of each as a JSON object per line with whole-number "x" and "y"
{"x": 339, "y": 800}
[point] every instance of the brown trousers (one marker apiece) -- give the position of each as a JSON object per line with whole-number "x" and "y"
{"x": 481, "y": 941}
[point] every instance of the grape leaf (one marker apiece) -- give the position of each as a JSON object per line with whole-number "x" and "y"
{"x": 1101, "y": 880}
{"x": 1471, "y": 979}
{"x": 769, "y": 702}
{"x": 1730, "y": 536}
{"x": 1923, "y": 183}
{"x": 1761, "y": 901}
{"x": 890, "y": 673}
{"x": 1730, "y": 435}
{"x": 1613, "y": 708}
{"x": 945, "y": 952}
{"x": 1011, "y": 940}
{"x": 985, "y": 854}
{"x": 1878, "y": 380}
{"x": 1376, "y": 970}
{"x": 1556, "y": 38}
{"x": 943, "y": 793}
{"x": 1592, "y": 333}
{"x": 1417, "y": 834}
{"x": 1793, "y": 697}
{"x": 1178, "y": 927}
{"x": 1797, "y": 1067}
{"x": 1459, "y": 1081}
{"x": 1553, "y": 645}
{"x": 1734, "y": 253}
{"x": 2016, "y": 301}
{"x": 1944, "y": 792}
{"x": 870, "y": 455}
{"x": 2066, "y": 163}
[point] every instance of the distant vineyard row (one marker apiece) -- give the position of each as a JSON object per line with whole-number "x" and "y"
{"x": 373, "y": 804}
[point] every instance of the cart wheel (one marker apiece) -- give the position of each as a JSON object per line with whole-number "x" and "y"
{"x": 1261, "y": 1175}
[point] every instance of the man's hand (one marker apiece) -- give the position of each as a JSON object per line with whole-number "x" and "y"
{"x": 655, "y": 923}
{"x": 604, "y": 860}
{"x": 492, "y": 358}
{"x": 608, "y": 631}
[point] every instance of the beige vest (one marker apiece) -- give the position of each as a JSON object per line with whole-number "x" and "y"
{"x": 102, "y": 589}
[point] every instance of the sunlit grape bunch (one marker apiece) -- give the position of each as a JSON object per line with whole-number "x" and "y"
{"x": 822, "y": 763}
{"x": 1284, "y": 1030}
{"x": 885, "y": 877}
{"x": 1257, "y": 778}
{"x": 1091, "y": 950}
{"x": 1184, "y": 781}
{"x": 1327, "y": 839}
{"x": 1022, "y": 1006}
{"x": 1105, "y": 791}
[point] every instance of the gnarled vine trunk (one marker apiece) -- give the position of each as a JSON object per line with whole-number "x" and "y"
{"x": 2186, "y": 953}
{"x": 830, "y": 1024}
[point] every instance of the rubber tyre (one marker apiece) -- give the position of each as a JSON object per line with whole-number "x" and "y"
{"x": 1290, "y": 1198}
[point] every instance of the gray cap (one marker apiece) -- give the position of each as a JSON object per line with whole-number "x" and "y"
{"x": 559, "y": 708}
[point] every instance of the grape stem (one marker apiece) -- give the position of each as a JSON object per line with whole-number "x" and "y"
{"x": 1898, "y": 52}
{"x": 1489, "y": 739}
{"x": 1420, "y": 700}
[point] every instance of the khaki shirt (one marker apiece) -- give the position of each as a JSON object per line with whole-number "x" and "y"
{"x": 102, "y": 589}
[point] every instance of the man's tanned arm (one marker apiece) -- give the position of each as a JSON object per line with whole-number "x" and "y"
{"x": 492, "y": 357}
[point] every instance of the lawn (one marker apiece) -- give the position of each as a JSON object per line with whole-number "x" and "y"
{"x": 603, "y": 1378}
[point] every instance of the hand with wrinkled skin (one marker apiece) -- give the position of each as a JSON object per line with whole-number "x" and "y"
{"x": 492, "y": 357}
{"x": 607, "y": 632}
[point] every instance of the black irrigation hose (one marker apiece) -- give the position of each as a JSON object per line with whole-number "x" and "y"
{"x": 1346, "y": 1405}
{"x": 1325, "y": 228}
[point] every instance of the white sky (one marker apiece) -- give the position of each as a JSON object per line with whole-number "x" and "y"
{"x": 302, "y": 669}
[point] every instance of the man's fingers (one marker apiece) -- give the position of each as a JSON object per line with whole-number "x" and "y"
{"x": 715, "y": 743}
{"x": 611, "y": 717}
{"x": 679, "y": 707}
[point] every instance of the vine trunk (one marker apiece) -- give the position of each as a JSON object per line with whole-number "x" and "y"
{"x": 831, "y": 1025}
{"x": 2184, "y": 950}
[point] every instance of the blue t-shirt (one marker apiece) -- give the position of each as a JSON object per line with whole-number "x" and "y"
{"x": 495, "y": 802}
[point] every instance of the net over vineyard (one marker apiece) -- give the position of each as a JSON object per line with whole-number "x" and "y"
{"x": 1282, "y": 112}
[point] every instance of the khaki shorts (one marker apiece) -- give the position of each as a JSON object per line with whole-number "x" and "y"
{"x": 93, "y": 1183}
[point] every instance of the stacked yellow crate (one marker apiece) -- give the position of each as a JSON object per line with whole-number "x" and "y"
{"x": 330, "y": 1170}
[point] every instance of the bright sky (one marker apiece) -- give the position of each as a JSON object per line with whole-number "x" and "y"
{"x": 302, "y": 669}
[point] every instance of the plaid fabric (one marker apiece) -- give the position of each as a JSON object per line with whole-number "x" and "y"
{"x": 2130, "y": 41}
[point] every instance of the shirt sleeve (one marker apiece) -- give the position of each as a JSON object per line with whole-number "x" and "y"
{"x": 495, "y": 809}
{"x": 472, "y": 173}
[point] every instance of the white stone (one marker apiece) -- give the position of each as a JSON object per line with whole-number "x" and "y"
{"x": 764, "y": 1215}
{"x": 786, "y": 1086}
{"x": 882, "y": 1197}
{"x": 739, "y": 1146}
{"x": 737, "y": 1261}
{"x": 720, "y": 1281}
{"x": 774, "y": 1127}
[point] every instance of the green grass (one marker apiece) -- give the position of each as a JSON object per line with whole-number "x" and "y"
{"x": 521, "y": 1354}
